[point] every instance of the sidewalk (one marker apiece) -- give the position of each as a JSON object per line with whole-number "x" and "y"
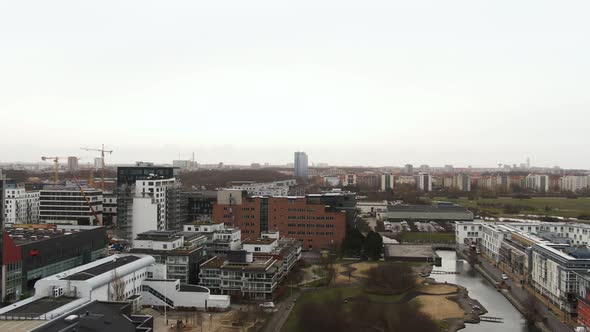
{"x": 554, "y": 322}
{"x": 279, "y": 318}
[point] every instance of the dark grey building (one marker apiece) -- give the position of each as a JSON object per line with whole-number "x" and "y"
{"x": 301, "y": 165}
{"x": 337, "y": 201}
{"x": 34, "y": 253}
{"x": 127, "y": 176}
{"x": 97, "y": 316}
{"x": 428, "y": 213}
{"x": 200, "y": 204}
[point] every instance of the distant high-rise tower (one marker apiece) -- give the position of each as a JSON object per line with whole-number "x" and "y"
{"x": 98, "y": 163}
{"x": 528, "y": 163}
{"x": 72, "y": 164}
{"x": 301, "y": 165}
{"x": 409, "y": 169}
{"x": 424, "y": 182}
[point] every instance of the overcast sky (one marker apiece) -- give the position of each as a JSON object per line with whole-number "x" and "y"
{"x": 349, "y": 82}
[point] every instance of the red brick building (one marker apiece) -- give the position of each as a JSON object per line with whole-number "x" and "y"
{"x": 316, "y": 225}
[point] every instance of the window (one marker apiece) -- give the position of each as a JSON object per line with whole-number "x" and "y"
{"x": 165, "y": 246}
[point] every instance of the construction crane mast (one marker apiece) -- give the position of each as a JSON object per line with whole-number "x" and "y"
{"x": 55, "y": 167}
{"x": 102, "y": 152}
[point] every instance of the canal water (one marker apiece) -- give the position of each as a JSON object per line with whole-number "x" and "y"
{"x": 480, "y": 289}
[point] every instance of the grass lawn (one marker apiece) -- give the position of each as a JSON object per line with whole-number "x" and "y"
{"x": 323, "y": 295}
{"x": 427, "y": 237}
{"x": 557, "y": 206}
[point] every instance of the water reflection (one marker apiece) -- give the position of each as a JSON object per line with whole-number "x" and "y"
{"x": 481, "y": 290}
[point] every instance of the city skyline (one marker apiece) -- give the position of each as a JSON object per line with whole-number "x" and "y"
{"x": 88, "y": 161}
{"x": 385, "y": 83}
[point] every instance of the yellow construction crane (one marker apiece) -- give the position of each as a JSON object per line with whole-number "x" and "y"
{"x": 102, "y": 152}
{"x": 55, "y": 166}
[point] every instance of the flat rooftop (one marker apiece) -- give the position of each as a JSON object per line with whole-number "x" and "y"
{"x": 425, "y": 208}
{"x": 40, "y": 306}
{"x": 408, "y": 251}
{"x": 95, "y": 316}
{"x": 103, "y": 268}
{"x": 259, "y": 241}
{"x": 22, "y": 236}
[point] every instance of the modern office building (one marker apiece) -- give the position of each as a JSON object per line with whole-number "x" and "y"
{"x": 220, "y": 239}
{"x": 301, "y": 165}
{"x": 31, "y": 252}
{"x": 319, "y": 221}
{"x": 178, "y": 254}
{"x": 67, "y": 205}
{"x": 554, "y": 273}
{"x": 253, "y": 273}
{"x": 20, "y": 206}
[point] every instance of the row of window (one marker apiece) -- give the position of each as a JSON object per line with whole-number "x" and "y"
{"x": 312, "y": 225}
{"x": 310, "y": 218}
{"x": 300, "y": 210}
{"x": 311, "y": 233}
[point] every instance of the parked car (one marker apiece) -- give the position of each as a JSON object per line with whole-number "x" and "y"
{"x": 504, "y": 276}
{"x": 267, "y": 305}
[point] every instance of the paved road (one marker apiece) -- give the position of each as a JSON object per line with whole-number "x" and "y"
{"x": 279, "y": 318}
{"x": 521, "y": 294}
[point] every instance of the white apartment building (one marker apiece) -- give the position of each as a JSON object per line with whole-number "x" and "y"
{"x": 20, "y": 206}
{"x": 150, "y": 205}
{"x": 462, "y": 182}
{"x": 387, "y": 182}
{"x": 424, "y": 182}
{"x": 554, "y": 273}
{"x": 467, "y": 232}
{"x": 537, "y": 182}
{"x": 574, "y": 183}
{"x": 492, "y": 238}
{"x": 118, "y": 278}
{"x": 405, "y": 179}
{"x": 350, "y": 180}
{"x": 553, "y": 266}
{"x": 67, "y": 205}
{"x": 220, "y": 238}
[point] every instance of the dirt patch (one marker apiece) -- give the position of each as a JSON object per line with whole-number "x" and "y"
{"x": 439, "y": 307}
{"x": 362, "y": 269}
{"x": 438, "y": 289}
{"x": 342, "y": 277}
